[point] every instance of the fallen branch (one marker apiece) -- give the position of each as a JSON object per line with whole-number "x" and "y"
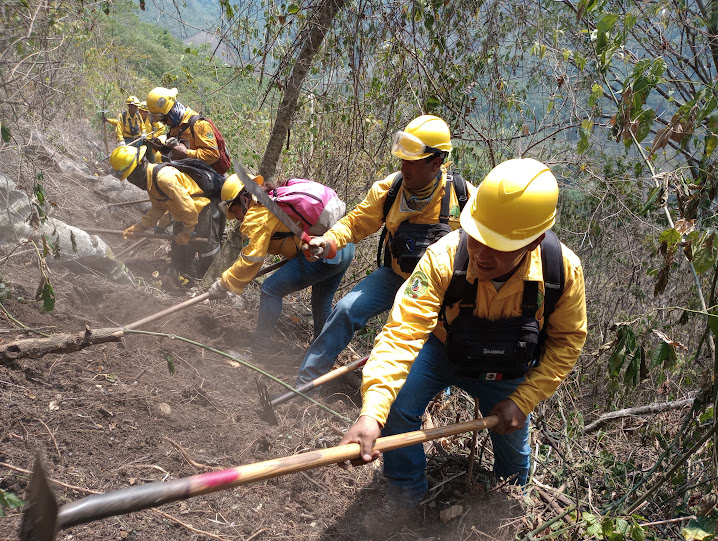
{"x": 60, "y": 343}
{"x": 642, "y": 410}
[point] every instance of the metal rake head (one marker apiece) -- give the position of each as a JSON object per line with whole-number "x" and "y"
{"x": 267, "y": 411}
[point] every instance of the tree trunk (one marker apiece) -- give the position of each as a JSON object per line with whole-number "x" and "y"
{"x": 310, "y": 40}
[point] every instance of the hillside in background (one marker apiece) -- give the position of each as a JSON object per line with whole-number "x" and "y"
{"x": 181, "y": 19}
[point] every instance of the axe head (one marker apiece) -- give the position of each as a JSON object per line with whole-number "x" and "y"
{"x": 267, "y": 412}
{"x": 39, "y": 515}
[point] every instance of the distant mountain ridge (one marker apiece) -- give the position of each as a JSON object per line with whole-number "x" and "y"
{"x": 188, "y": 19}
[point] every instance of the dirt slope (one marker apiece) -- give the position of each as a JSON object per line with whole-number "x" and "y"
{"x": 114, "y": 415}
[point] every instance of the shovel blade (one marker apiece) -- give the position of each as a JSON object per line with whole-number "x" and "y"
{"x": 39, "y": 516}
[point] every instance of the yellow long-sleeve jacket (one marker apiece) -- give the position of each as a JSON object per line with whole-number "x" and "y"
{"x": 178, "y": 189}
{"x": 257, "y": 229}
{"x": 156, "y": 128}
{"x": 202, "y": 144}
{"x": 416, "y": 310}
{"x": 368, "y": 216}
{"x": 128, "y": 126}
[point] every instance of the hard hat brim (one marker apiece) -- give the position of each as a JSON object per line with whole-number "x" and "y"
{"x": 143, "y": 151}
{"x": 488, "y": 237}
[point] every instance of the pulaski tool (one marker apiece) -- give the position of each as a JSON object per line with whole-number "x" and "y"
{"x": 42, "y": 517}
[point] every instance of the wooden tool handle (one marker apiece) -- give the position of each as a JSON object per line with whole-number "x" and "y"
{"x": 101, "y": 231}
{"x": 167, "y": 312}
{"x": 140, "y": 497}
{"x": 321, "y": 380}
{"x": 340, "y": 371}
{"x": 190, "y": 302}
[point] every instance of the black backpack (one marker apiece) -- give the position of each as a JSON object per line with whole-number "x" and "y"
{"x": 209, "y": 180}
{"x": 553, "y": 275}
{"x": 459, "y": 187}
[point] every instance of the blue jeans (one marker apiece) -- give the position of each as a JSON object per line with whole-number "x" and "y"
{"x": 431, "y": 373}
{"x": 370, "y": 297}
{"x": 324, "y": 275}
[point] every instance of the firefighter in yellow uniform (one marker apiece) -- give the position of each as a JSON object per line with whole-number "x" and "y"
{"x": 495, "y": 342}
{"x": 427, "y": 204}
{"x": 175, "y": 192}
{"x": 148, "y": 127}
{"x": 194, "y": 137}
{"x": 262, "y": 234}
{"x": 151, "y": 130}
{"x": 128, "y": 126}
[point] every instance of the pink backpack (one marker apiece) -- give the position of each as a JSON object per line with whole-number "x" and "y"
{"x": 314, "y": 206}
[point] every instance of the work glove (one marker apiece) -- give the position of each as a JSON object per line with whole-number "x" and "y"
{"x": 179, "y": 152}
{"x": 130, "y": 231}
{"x": 320, "y": 248}
{"x": 217, "y": 291}
{"x": 172, "y": 142}
{"x": 182, "y": 238}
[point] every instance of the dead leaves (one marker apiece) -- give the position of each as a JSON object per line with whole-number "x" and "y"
{"x": 678, "y": 129}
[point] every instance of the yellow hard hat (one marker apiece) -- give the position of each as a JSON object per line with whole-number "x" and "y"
{"x": 132, "y": 100}
{"x": 124, "y": 159}
{"x": 160, "y": 100}
{"x": 233, "y": 186}
{"x": 513, "y": 206}
{"x": 423, "y": 137}
{"x": 143, "y": 106}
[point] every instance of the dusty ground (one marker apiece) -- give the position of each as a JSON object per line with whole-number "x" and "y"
{"x": 113, "y": 415}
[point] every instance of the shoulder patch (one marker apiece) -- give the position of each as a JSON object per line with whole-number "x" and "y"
{"x": 454, "y": 212}
{"x": 417, "y": 285}
{"x": 209, "y": 134}
{"x": 245, "y": 241}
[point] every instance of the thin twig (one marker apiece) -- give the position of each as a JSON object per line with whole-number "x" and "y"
{"x": 51, "y": 436}
{"x": 472, "y": 452}
{"x": 255, "y": 534}
{"x": 188, "y": 458}
{"x": 189, "y": 527}
{"x": 673, "y": 470}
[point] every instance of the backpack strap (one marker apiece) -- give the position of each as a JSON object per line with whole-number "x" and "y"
{"x": 460, "y": 189}
{"x": 192, "y": 121}
{"x": 452, "y": 179}
{"x": 446, "y": 200}
{"x": 460, "y": 290}
{"x": 156, "y": 172}
{"x": 553, "y": 272}
{"x": 388, "y": 203}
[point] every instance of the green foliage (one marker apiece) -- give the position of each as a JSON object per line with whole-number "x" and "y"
{"x": 5, "y": 133}
{"x": 8, "y": 500}
{"x": 170, "y": 364}
{"x": 613, "y": 529}
{"x": 46, "y": 295}
{"x": 700, "y": 529}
